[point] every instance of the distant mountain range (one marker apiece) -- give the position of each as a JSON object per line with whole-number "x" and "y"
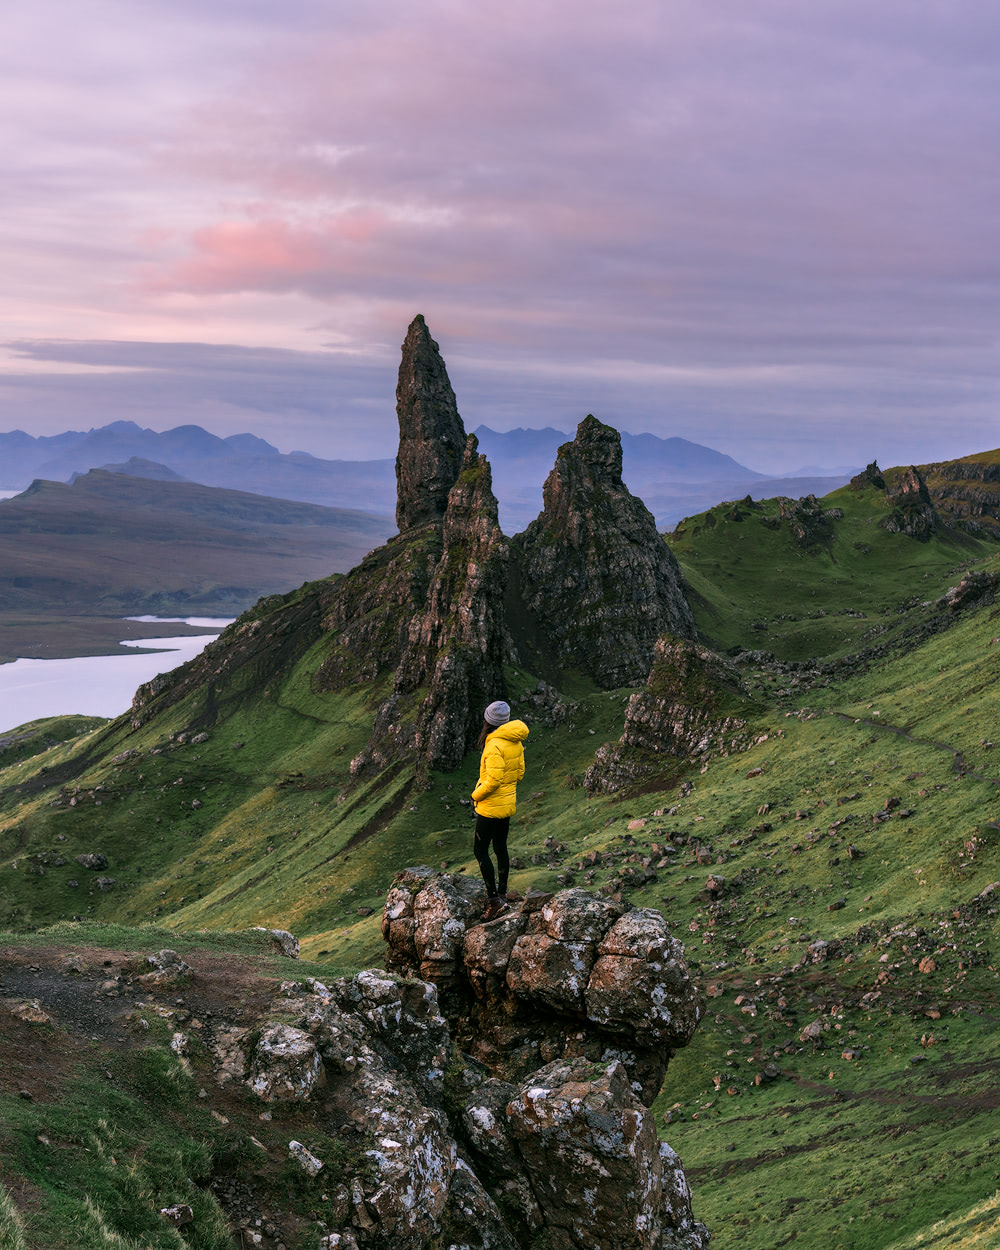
{"x": 240, "y": 462}
{"x": 673, "y": 476}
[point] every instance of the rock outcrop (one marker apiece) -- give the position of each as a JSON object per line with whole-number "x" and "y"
{"x": 431, "y": 433}
{"x": 426, "y": 623}
{"x": 595, "y": 585}
{"x": 872, "y": 476}
{"x": 352, "y": 1117}
{"x": 424, "y": 614}
{"x": 966, "y": 493}
{"x": 564, "y": 976}
{"x": 567, "y": 1011}
{"x": 810, "y": 523}
{"x": 694, "y": 705}
{"x": 912, "y": 511}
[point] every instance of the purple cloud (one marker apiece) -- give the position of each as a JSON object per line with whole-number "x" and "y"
{"x": 770, "y": 228}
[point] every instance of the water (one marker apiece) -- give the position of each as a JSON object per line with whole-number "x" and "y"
{"x": 92, "y": 685}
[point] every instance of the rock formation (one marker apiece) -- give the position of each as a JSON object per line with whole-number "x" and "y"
{"x": 567, "y": 1011}
{"x": 872, "y": 476}
{"x": 426, "y": 622}
{"x": 694, "y": 705}
{"x": 431, "y": 434}
{"x": 966, "y": 493}
{"x": 564, "y": 976}
{"x": 809, "y": 522}
{"x": 425, "y": 612}
{"x": 912, "y": 510}
{"x": 911, "y": 507}
{"x": 595, "y": 584}
{"x": 353, "y": 1120}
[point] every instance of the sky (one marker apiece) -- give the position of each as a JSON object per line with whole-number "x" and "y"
{"x": 767, "y": 226}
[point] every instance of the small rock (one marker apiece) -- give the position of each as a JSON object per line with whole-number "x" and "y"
{"x": 30, "y": 1012}
{"x": 179, "y": 1214}
{"x": 308, "y": 1161}
{"x": 92, "y": 860}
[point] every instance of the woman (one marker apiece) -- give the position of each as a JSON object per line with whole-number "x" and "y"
{"x": 495, "y": 798}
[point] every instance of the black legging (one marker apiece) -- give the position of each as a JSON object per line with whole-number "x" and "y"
{"x": 492, "y": 829}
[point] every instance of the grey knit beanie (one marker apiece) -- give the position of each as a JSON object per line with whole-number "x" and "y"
{"x": 497, "y": 713}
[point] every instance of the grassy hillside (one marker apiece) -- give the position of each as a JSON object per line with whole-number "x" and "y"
{"x": 854, "y": 584}
{"x": 840, "y": 1094}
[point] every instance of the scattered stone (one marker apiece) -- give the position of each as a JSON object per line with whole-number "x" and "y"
{"x": 92, "y": 860}
{"x": 179, "y": 1214}
{"x": 305, "y": 1158}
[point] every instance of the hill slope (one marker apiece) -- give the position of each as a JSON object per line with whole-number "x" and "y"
{"x": 833, "y": 869}
{"x": 114, "y": 545}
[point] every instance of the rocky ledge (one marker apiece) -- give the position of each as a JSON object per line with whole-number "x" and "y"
{"x": 564, "y": 1012}
{"x": 561, "y": 976}
{"x": 362, "y": 1123}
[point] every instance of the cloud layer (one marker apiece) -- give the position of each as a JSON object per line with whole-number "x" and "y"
{"x": 768, "y": 227}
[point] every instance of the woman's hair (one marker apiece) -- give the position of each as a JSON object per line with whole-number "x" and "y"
{"x": 484, "y": 733}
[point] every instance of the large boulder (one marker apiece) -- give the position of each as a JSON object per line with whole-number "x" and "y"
{"x": 594, "y": 1161}
{"x": 581, "y": 976}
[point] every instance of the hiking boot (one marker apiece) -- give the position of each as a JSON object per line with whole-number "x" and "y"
{"x": 494, "y": 907}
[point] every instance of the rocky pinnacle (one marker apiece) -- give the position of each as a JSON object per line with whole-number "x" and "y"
{"x": 596, "y": 578}
{"x": 431, "y": 434}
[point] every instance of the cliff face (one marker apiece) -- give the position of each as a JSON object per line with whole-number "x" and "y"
{"x": 596, "y": 582}
{"x": 694, "y": 705}
{"x": 912, "y": 512}
{"x": 456, "y": 642}
{"x": 966, "y": 493}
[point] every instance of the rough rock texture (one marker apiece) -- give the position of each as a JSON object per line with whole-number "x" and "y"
{"x": 976, "y": 587}
{"x": 458, "y": 645}
{"x": 595, "y": 584}
{"x": 426, "y": 610}
{"x": 580, "y": 976}
{"x": 966, "y": 493}
{"x": 694, "y": 705}
{"x": 809, "y": 522}
{"x": 872, "y": 476}
{"x": 285, "y": 1066}
{"x": 572, "y": 1006}
{"x": 431, "y": 434}
{"x": 912, "y": 512}
{"x": 602, "y": 1177}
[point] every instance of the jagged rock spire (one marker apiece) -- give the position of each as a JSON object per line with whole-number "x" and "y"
{"x": 431, "y": 434}
{"x": 597, "y": 583}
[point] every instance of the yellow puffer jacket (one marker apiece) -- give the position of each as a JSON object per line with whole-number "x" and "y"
{"x": 500, "y": 769}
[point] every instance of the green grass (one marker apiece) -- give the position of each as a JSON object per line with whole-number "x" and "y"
{"x": 285, "y": 837}
{"x": 756, "y": 587}
{"x": 11, "y": 1224}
